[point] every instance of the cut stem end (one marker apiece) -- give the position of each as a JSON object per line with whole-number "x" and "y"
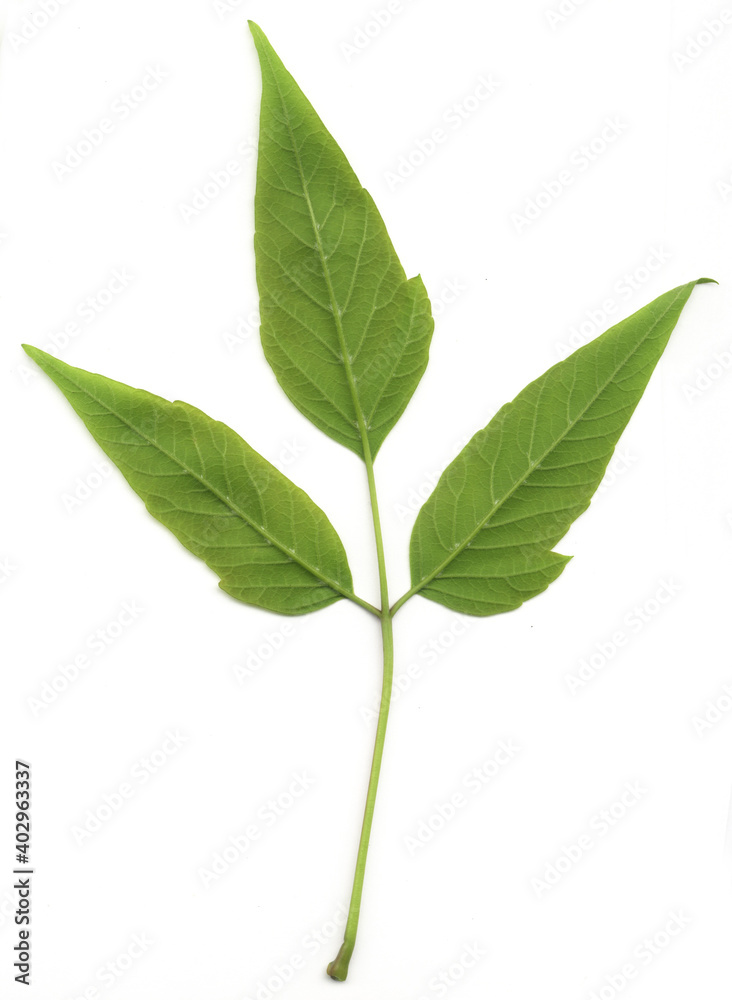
{"x": 338, "y": 968}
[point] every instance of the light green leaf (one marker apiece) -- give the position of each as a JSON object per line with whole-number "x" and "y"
{"x": 345, "y": 332}
{"x": 482, "y": 542}
{"x": 266, "y": 539}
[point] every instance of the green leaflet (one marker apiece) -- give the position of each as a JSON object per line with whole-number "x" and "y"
{"x": 265, "y": 538}
{"x": 482, "y": 542}
{"x": 345, "y": 332}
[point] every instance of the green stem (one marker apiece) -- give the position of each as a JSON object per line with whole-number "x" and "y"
{"x": 404, "y": 598}
{"x": 338, "y": 968}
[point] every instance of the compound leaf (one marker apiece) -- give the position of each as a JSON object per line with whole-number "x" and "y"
{"x": 347, "y": 335}
{"x": 268, "y": 542}
{"x": 482, "y": 543}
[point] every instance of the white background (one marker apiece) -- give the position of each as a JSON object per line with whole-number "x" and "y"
{"x": 665, "y": 514}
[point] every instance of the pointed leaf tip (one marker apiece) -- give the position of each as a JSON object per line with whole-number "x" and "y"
{"x": 261, "y": 41}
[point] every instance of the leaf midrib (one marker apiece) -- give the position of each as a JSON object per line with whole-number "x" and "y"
{"x": 497, "y": 506}
{"x": 335, "y": 309}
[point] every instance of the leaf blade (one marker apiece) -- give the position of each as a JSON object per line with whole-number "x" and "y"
{"x": 271, "y": 546}
{"x": 327, "y": 270}
{"x": 563, "y": 427}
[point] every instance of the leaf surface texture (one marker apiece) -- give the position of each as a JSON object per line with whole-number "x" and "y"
{"x": 345, "y": 332}
{"x": 482, "y": 543}
{"x": 268, "y": 542}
